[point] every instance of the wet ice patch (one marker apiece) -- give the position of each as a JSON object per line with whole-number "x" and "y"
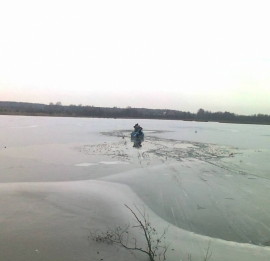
{"x": 24, "y": 127}
{"x": 113, "y": 162}
{"x": 85, "y": 164}
{"x": 101, "y": 162}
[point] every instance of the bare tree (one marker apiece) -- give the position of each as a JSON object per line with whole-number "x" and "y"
{"x": 208, "y": 253}
{"x": 155, "y": 247}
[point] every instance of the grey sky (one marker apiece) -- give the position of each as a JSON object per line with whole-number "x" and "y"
{"x": 182, "y": 55}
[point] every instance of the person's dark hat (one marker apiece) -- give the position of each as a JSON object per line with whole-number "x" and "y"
{"x": 136, "y": 125}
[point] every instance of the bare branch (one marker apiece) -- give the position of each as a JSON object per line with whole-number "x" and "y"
{"x": 208, "y": 253}
{"x": 155, "y": 245}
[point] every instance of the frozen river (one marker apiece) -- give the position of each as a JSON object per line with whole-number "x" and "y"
{"x": 209, "y": 181}
{"x": 19, "y": 131}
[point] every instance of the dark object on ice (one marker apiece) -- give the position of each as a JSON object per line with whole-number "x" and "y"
{"x": 136, "y": 127}
{"x": 137, "y": 136}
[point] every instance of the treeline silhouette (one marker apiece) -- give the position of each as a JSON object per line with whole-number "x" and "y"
{"x": 34, "y": 109}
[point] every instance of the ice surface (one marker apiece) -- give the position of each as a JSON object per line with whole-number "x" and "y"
{"x": 60, "y": 177}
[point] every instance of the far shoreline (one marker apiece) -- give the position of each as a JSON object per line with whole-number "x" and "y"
{"x": 130, "y": 118}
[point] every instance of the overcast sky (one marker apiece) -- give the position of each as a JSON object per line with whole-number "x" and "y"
{"x": 181, "y": 55}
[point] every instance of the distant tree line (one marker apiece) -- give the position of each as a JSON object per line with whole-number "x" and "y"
{"x": 34, "y": 109}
